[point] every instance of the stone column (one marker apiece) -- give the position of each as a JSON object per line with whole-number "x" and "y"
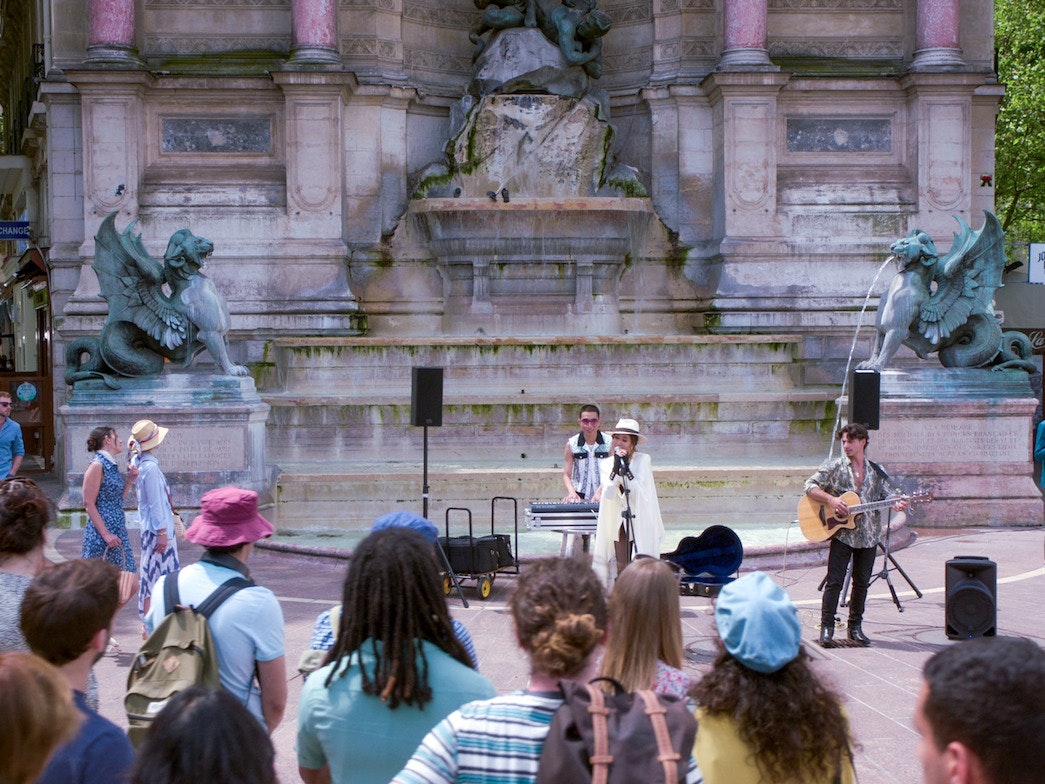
{"x": 314, "y": 24}
{"x": 745, "y": 23}
{"x": 111, "y": 32}
{"x": 936, "y": 36}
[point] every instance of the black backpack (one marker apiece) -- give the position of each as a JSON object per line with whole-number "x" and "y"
{"x": 618, "y": 739}
{"x": 179, "y": 653}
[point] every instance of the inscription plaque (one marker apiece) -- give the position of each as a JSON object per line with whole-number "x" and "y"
{"x": 213, "y": 449}
{"x": 935, "y": 440}
{"x": 217, "y": 134}
{"x": 839, "y": 135}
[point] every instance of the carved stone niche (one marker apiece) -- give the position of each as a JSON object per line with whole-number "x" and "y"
{"x": 532, "y": 266}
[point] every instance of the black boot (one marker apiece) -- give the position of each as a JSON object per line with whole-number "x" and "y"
{"x": 827, "y": 636}
{"x": 856, "y": 634}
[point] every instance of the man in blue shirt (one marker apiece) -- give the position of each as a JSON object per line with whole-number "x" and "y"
{"x": 12, "y": 447}
{"x": 66, "y": 616}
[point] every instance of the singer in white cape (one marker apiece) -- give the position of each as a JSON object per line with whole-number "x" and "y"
{"x": 648, "y": 528}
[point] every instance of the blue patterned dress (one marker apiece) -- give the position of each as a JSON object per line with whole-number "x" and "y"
{"x": 110, "y": 507}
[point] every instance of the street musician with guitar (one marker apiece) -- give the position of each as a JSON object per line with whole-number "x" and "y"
{"x": 850, "y": 472}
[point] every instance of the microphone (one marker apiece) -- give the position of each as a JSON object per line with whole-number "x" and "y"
{"x": 616, "y": 466}
{"x": 625, "y": 467}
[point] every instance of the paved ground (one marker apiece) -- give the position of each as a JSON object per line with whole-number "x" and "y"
{"x": 880, "y": 682}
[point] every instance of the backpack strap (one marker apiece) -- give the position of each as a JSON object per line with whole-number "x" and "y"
{"x": 666, "y": 753}
{"x": 221, "y": 593}
{"x": 171, "y": 597}
{"x": 601, "y": 758}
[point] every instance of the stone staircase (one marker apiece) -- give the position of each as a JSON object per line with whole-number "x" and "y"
{"x": 731, "y": 433}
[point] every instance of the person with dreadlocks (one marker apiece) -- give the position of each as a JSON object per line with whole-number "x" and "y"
{"x": 395, "y": 671}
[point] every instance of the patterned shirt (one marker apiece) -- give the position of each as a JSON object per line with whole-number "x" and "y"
{"x": 836, "y": 477}
{"x": 496, "y": 741}
{"x": 586, "y": 458}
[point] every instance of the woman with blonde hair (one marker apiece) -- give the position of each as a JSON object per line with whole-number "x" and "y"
{"x": 644, "y": 646}
{"x": 37, "y": 715}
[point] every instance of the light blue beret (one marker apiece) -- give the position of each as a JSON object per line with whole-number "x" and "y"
{"x": 758, "y": 622}
{"x": 407, "y": 520}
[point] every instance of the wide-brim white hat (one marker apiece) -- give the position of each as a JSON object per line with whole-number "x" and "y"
{"x": 627, "y": 427}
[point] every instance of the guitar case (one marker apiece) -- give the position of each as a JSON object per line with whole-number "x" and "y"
{"x": 707, "y": 562}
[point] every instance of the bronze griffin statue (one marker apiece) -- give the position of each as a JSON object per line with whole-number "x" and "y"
{"x": 146, "y": 324}
{"x": 946, "y": 305}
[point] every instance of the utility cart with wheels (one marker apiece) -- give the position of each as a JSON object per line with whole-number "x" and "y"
{"x": 479, "y": 558}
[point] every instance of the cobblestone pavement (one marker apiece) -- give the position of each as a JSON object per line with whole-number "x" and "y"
{"x": 880, "y": 683}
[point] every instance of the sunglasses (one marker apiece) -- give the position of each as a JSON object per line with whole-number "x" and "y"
{"x": 589, "y": 421}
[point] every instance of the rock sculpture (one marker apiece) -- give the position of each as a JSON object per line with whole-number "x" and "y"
{"x": 147, "y": 325}
{"x": 946, "y": 305}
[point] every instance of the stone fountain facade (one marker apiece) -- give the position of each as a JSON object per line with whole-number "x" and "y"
{"x": 700, "y": 266}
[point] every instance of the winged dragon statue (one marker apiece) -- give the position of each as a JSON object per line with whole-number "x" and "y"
{"x": 147, "y": 325}
{"x": 946, "y": 305}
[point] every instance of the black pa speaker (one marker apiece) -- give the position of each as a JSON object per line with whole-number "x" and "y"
{"x": 426, "y": 397}
{"x": 864, "y": 390}
{"x": 971, "y": 584}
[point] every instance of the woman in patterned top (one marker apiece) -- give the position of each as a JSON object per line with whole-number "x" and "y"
{"x": 644, "y": 649}
{"x": 559, "y": 609}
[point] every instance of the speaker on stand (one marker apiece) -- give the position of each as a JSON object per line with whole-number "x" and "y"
{"x": 426, "y": 397}
{"x": 971, "y": 588}
{"x": 864, "y": 393}
{"x": 426, "y": 410}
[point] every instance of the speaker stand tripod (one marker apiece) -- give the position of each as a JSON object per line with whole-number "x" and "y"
{"x": 887, "y": 559}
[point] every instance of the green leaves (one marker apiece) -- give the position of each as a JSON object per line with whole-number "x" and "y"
{"x": 1019, "y": 27}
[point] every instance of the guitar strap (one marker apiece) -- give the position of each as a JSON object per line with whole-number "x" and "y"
{"x": 880, "y": 471}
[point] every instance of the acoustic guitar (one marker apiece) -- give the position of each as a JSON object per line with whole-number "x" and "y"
{"x": 819, "y": 521}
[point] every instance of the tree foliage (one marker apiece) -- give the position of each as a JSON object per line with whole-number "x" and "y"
{"x": 1019, "y": 27}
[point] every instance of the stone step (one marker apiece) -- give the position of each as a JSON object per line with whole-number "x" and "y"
{"x": 345, "y": 497}
{"x": 496, "y": 367}
{"x": 741, "y": 425}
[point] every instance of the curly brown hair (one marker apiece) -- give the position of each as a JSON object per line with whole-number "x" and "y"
{"x": 794, "y": 723}
{"x": 559, "y": 609}
{"x": 24, "y": 514}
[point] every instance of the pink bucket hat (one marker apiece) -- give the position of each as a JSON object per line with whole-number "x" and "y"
{"x": 228, "y": 517}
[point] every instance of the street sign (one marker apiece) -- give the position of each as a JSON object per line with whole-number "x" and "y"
{"x": 14, "y": 230}
{"x": 1037, "y": 262}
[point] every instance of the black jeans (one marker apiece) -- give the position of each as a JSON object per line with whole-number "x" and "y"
{"x": 837, "y": 561}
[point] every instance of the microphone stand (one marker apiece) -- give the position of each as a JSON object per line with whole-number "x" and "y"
{"x": 621, "y": 468}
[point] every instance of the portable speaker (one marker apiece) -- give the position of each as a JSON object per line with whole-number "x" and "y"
{"x": 864, "y": 390}
{"x": 971, "y": 584}
{"x": 426, "y": 397}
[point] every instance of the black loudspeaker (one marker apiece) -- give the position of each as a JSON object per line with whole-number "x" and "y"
{"x": 864, "y": 389}
{"x": 426, "y": 397}
{"x": 971, "y": 583}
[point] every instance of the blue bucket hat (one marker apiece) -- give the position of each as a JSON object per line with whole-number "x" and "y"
{"x": 758, "y": 623}
{"x": 410, "y": 520}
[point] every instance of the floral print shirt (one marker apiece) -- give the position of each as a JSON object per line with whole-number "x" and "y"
{"x": 836, "y": 477}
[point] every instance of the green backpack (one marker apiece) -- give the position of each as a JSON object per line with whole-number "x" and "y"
{"x": 179, "y": 653}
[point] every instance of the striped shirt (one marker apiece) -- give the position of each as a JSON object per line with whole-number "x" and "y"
{"x": 496, "y": 741}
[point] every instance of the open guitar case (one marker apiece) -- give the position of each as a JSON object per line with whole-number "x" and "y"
{"x": 707, "y": 562}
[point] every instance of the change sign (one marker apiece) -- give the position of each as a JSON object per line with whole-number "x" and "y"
{"x": 14, "y": 230}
